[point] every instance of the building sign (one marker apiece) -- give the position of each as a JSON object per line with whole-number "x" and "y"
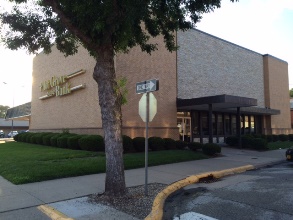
{"x": 60, "y": 85}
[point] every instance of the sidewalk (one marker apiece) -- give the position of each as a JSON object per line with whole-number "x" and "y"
{"x": 13, "y": 197}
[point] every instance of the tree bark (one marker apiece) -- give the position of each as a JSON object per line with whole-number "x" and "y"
{"x": 110, "y": 102}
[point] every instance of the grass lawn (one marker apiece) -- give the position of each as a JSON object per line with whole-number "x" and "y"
{"x": 25, "y": 163}
{"x": 280, "y": 144}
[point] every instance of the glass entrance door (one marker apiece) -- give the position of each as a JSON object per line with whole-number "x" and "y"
{"x": 184, "y": 126}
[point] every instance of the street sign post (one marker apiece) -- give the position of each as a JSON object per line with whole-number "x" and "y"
{"x": 147, "y": 86}
{"x": 145, "y": 107}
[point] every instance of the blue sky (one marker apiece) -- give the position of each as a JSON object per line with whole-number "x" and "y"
{"x": 264, "y": 26}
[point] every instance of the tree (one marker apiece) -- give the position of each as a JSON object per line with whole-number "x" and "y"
{"x": 291, "y": 93}
{"x": 3, "y": 110}
{"x": 104, "y": 28}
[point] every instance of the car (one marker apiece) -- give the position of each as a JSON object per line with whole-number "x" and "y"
{"x": 2, "y": 134}
{"x": 289, "y": 154}
{"x": 12, "y": 134}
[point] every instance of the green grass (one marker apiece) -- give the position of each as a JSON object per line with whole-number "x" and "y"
{"x": 279, "y": 144}
{"x": 25, "y": 163}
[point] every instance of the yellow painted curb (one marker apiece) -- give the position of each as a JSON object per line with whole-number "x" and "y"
{"x": 53, "y": 213}
{"x": 158, "y": 204}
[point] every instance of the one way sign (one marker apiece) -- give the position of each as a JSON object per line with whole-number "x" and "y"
{"x": 147, "y": 86}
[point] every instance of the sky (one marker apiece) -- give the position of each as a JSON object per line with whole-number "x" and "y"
{"x": 264, "y": 26}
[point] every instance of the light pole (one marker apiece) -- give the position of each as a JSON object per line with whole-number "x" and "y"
{"x": 12, "y": 107}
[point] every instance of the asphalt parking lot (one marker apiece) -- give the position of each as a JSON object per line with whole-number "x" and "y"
{"x": 259, "y": 194}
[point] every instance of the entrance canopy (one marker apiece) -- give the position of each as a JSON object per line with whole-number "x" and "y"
{"x": 224, "y": 103}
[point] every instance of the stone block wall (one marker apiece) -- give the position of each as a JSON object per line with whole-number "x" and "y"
{"x": 209, "y": 66}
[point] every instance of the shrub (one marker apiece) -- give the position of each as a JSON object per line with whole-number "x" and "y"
{"x": 34, "y": 138}
{"x": 194, "y": 146}
{"x": 270, "y": 138}
{"x": 290, "y": 136}
{"x": 28, "y": 137}
{"x": 72, "y": 142}
{"x": 259, "y": 144}
{"x": 18, "y": 137}
{"x": 169, "y": 143}
{"x": 211, "y": 149}
{"x": 180, "y": 144}
{"x": 156, "y": 143}
{"x": 139, "y": 144}
{"x": 92, "y": 143}
{"x": 232, "y": 141}
{"x": 47, "y": 139}
{"x": 127, "y": 144}
{"x": 62, "y": 140}
{"x": 283, "y": 137}
{"x": 38, "y": 138}
{"x": 275, "y": 137}
{"x": 53, "y": 139}
{"x": 246, "y": 141}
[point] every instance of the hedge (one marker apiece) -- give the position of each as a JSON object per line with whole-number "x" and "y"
{"x": 194, "y": 146}
{"x": 62, "y": 140}
{"x": 92, "y": 143}
{"x": 169, "y": 143}
{"x": 139, "y": 144}
{"x": 127, "y": 143}
{"x": 72, "y": 142}
{"x": 211, "y": 149}
{"x": 156, "y": 143}
{"x": 180, "y": 144}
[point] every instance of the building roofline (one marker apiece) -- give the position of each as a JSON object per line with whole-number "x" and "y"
{"x": 268, "y": 55}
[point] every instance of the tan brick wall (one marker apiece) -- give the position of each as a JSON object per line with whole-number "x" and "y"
{"x": 277, "y": 93}
{"x": 80, "y": 111}
{"x": 138, "y": 66}
{"x": 77, "y": 110}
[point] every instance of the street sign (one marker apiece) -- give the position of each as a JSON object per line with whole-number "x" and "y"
{"x": 142, "y": 110}
{"x": 147, "y": 86}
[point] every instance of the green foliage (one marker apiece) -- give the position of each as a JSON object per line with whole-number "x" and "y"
{"x": 291, "y": 93}
{"x": 92, "y": 143}
{"x": 270, "y": 138}
{"x": 232, "y": 141}
{"x": 169, "y": 143}
{"x": 37, "y": 25}
{"x": 290, "y": 136}
{"x": 53, "y": 139}
{"x": 18, "y": 137}
{"x": 259, "y": 144}
{"x": 3, "y": 110}
{"x": 25, "y": 163}
{"x": 156, "y": 143}
{"x": 72, "y": 142}
{"x": 121, "y": 89}
{"x": 211, "y": 149}
{"x": 180, "y": 144}
{"x": 62, "y": 141}
{"x": 275, "y": 137}
{"x": 47, "y": 138}
{"x": 194, "y": 146}
{"x": 139, "y": 144}
{"x": 246, "y": 141}
{"x": 127, "y": 144}
{"x": 283, "y": 137}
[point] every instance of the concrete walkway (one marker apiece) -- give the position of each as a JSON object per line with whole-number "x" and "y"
{"x": 14, "y": 197}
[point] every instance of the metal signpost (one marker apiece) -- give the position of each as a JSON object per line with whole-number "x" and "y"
{"x": 145, "y": 108}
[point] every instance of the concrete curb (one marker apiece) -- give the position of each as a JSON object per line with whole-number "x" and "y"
{"x": 158, "y": 204}
{"x": 53, "y": 213}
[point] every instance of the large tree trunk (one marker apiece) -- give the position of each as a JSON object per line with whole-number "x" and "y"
{"x": 110, "y": 103}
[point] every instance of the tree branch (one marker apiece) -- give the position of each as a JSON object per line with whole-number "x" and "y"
{"x": 73, "y": 29}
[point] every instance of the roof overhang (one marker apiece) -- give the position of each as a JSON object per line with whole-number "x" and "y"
{"x": 224, "y": 103}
